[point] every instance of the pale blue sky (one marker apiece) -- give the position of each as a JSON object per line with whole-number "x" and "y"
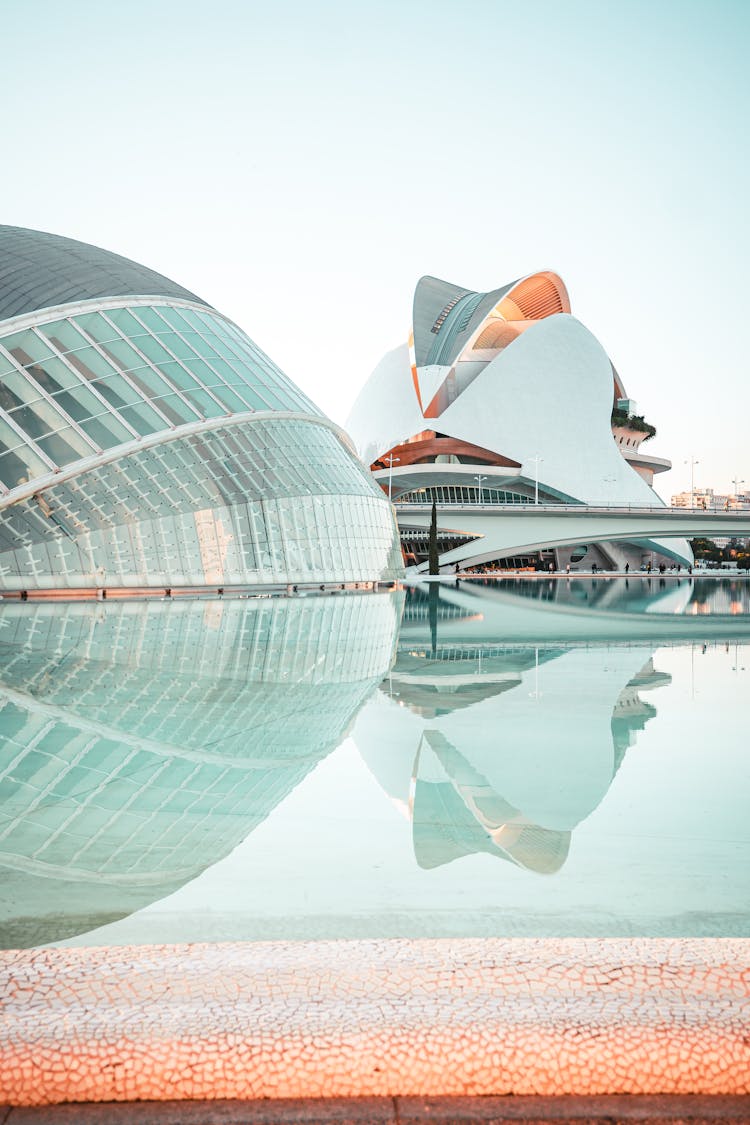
{"x": 300, "y": 165}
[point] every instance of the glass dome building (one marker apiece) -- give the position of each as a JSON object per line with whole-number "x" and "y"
{"x": 146, "y": 441}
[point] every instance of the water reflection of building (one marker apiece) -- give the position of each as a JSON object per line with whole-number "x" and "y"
{"x": 143, "y": 742}
{"x": 501, "y": 748}
{"x": 579, "y": 609}
{"x": 639, "y": 594}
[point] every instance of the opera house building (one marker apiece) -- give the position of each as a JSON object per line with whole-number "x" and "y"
{"x": 146, "y": 441}
{"x": 504, "y": 398}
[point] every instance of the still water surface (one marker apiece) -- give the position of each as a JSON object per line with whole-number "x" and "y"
{"x": 539, "y": 757}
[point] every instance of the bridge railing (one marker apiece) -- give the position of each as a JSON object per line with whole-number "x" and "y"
{"x": 740, "y": 514}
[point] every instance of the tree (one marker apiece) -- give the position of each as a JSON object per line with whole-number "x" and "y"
{"x": 706, "y": 549}
{"x": 434, "y": 564}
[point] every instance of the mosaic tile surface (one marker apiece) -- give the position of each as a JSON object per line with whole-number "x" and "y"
{"x": 337, "y": 1019}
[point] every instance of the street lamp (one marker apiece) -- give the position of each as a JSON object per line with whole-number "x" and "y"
{"x": 692, "y": 462}
{"x": 607, "y": 491}
{"x": 391, "y": 461}
{"x": 479, "y": 478}
{"x": 537, "y": 460}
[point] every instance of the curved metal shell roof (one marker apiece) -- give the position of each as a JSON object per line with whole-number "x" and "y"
{"x": 39, "y": 270}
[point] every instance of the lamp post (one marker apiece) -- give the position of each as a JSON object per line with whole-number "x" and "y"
{"x": 537, "y": 461}
{"x": 607, "y": 491}
{"x": 737, "y": 482}
{"x": 479, "y": 478}
{"x": 692, "y": 462}
{"x": 391, "y": 460}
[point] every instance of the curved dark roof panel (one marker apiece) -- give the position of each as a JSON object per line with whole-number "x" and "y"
{"x": 39, "y": 271}
{"x": 444, "y": 316}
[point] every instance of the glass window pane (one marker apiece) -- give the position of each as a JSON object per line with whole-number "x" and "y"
{"x": 194, "y": 320}
{"x": 152, "y": 385}
{"x": 203, "y": 402}
{"x": 18, "y": 463}
{"x": 176, "y": 346}
{"x": 81, "y": 404}
{"x": 9, "y": 439}
{"x": 90, "y": 363}
{"x": 214, "y": 344}
{"x": 153, "y": 350}
{"x": 122, "y": 354}
{"x": 97, "y": 327}
{"x": 6, "y": 364}
{"x": 252, "y": 397}
{"x": 202, "y": 372}
{"x": 118, "y": 392}
{"x": 63, "y": 335}
{"x": 14, "y": 469}
{"x": 143, "y": 419}
{"x": 173, "y": 317}
{"x": 106, "y": 431}
{"x": 19, "y": 390}
{"x": 176, "y": 410}
{"x": 213, "y": 323}
{"x": 152, "y": 320}
{"x": 227, "y": 373}
{"x": 274, "y": 400}
{"x": 65, "y": 446}
{"x": 38, "y": 419}
{"x": 231, "y": 400}
{"x": 126, "y": 322}
{"x": 25, "y": 347}
{"x": 177, "y": 376}
{"x": 53, "y": 375}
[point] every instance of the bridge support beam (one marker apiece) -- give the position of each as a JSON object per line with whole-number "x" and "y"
{"x": 499, "y": 532}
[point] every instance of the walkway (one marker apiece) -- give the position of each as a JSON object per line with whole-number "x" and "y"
{"x": 388, "y": 1018}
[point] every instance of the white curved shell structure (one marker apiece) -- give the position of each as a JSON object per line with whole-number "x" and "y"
{"x": 500, "y": 397}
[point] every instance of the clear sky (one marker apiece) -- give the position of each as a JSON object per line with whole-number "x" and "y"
{"x": 301, "y": 164}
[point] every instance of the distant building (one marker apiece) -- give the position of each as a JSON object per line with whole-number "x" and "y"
{"x": 712, "y": 501}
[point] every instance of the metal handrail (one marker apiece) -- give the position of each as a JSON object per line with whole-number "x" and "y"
{"x": 580, "y": 509}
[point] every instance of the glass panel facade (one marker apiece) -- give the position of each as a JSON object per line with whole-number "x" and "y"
{"x": 95, "y": 380}
{"x": 276, "y": 500}
{"x": 18, "y": 463}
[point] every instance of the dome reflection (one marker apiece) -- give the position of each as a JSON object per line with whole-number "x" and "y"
{"x": 141, "y": 742}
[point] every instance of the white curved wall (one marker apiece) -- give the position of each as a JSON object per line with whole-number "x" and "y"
{"x": 550, "y": 393}
{"x": 386, "y": 411}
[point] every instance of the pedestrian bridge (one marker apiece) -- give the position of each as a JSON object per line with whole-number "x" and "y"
{"x": 500, "y": 530}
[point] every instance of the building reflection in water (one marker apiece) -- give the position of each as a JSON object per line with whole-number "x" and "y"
{"x": 640, "y": 593}
{"x": 500, "y": 748}
{"x": 141, "y": 742}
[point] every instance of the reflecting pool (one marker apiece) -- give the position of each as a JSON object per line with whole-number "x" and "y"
{"x": 524, "y": 757}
